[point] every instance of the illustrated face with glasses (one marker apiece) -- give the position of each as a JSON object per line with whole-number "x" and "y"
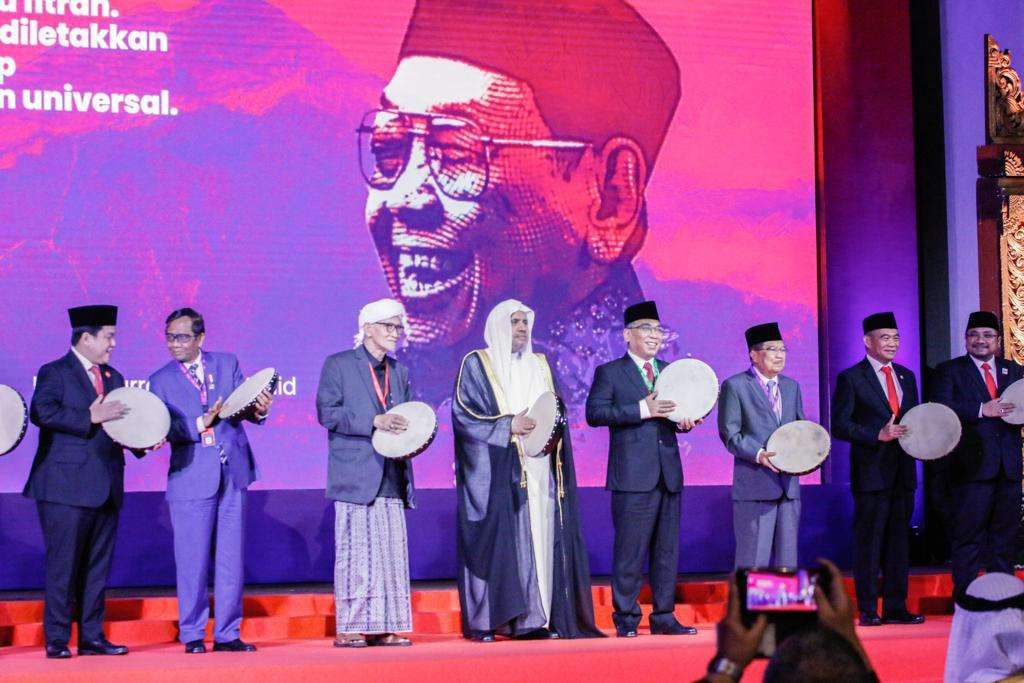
{"x": 769, "y": 357}
{"x": 983, "y": 342}
{"x": 471, "y": 198}
{"x": 646, "y": 337}
{"x": 183, "y": 344}
{"x": 384, "y": 336}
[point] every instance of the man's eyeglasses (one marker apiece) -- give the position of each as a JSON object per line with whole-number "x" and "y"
{"x": 456, "y": 150}
{"x": 392, "y": 328}
{"x": 987, "y": 336}
{"x": 646, "y": 330}
{"x": 780, "y": 350}
{"x": 179, "y": 338}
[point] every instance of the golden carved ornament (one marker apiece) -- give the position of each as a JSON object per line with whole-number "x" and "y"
{"x": 1004, "y": 102}
{"x": 1011, "y": 246}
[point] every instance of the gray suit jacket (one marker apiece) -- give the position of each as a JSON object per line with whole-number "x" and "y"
{"x": 346, "y": 404}
{"x": 745, "y": 421}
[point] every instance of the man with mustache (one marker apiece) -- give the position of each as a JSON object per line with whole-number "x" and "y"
{"x": 985, "y": 468}
{"x": 869, "y": 399}
{"x": 510, "y": 156}
{"x": 751, "y": 406}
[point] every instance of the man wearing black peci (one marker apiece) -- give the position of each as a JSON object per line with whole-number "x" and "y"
{"x": 77, "y": 480}
{"x": 985, "y": 468}
{"x": 869, "y": 399}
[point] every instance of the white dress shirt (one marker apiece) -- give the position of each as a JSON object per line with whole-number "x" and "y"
{"x": 877, "y": 366}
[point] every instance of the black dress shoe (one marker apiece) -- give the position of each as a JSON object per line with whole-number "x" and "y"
{"x": 537, "y": 634}
{"x": 100, "y": 646}
{"x": 902, "y": 617}
{"x": 58, "y": 649}
{"x": 482, "y": 637}
{"x": 673, "y": 629}
{"x": 870, "y": 619}
{"x": 195, "y": 647}
{"x": 236, "y": 645}
{"x": 628, "y": 633}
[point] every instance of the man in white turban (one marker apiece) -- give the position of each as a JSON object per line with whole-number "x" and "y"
{"x": 986, "y": 642}
{"x": 371, "y": 568}
{"x": 523, "y": 568}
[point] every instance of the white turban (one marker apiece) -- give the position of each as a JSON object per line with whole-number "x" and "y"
{"x": 377, "y": 311}
{"x": 987, "y": 645}
{"x": 520, "y": 375}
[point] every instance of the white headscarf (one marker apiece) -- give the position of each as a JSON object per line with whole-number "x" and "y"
{"x": 375, "y": 312}
{"x": 987, "y": 646}
{"x": 520, "y": 375}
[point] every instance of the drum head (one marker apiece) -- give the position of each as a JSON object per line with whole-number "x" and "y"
{"x": 800, "y": 447}
{"x": 245, "y": 395}
{"x": 934, "y": 431}
{"x": 13, "y": 419}
{"x": 548, "y": 413}
{"x": 1015, "y": 394}
{"x": 692, "y": 385}
{"x": 415, "y": 439}
{"x": 145, "y": 425}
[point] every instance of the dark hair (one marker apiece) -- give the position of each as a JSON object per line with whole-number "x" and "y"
{"x": 817, "y": 654}
{"x": 198, "y": 326}
{"x": 77, "y": 332}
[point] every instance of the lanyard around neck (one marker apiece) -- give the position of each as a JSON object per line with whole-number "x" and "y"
{"x": 200, "y": 387}
{"x": 382, "y": 394}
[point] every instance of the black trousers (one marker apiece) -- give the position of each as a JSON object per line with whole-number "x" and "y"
{"x": 79, "y": 544}
{"x": 881, "y": 531}
{"x": 646, "y": 524}
{"x": 986, "y": 516}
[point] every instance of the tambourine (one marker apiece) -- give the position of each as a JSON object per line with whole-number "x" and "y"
{"x": 933, "y": 431}
{"x": 145, "y": 425}
{"x": 244, "y": 397}
{"x": 692, "y": 385}
{"x": 415, "y": 439}
{"x": 13, "y": 419}
{"x": 548, "y": 412}
{"x": 800, "y": 447}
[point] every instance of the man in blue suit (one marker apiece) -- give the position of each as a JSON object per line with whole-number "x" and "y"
{"x": 985, "y": 468}
{"x": 869, "y": 399}
{"x": 645, "y": 474}
{"x": 77, "y": 480}
{"x": 211, "y": 467}
{"x": 752, "y": 405}
{"x": 372, "y": 596}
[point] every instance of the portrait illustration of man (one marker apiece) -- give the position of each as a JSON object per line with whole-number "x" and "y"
{"x": 509, "y": 159}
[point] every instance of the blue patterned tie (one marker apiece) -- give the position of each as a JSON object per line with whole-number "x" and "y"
{"x": 773, "y": 391}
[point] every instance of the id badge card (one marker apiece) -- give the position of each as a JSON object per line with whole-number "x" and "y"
{"x": 208, "y": 437}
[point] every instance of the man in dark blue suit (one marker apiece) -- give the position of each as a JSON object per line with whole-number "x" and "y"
{"x": 868, "y": 399}
{"x": 985, "y": 468}
{"x": 210, "y": 469}
{"x": 77, "y": 480}
{"x": 645, "y": 474}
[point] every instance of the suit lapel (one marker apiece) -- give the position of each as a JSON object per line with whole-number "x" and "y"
{"x": 79, "y": 372}
{"x": 754, "y": 384}
{"x": 364, "y": 372}
{"x": 875, "y": 387}
{"x": 633, "y": 374}
{"x": 1002, "y": 375}
{"x": 908, "y": 389}
{"x": 976, "y": 380}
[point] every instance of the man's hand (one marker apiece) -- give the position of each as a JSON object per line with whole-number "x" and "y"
{"x": 835, "y": 609}
{"x": 522, "y": 425}
{"x": 390, "y": 422}
{"x": 736, "y": 642}
{"x": 764, "y": 458}
{"x": 997, "y": 408}
{"x": 263, "y": 403}
{"x": 658, "y": 408}
{"x": 686, "y": 424}
{"x": 101, "y": 411}
{"x": 210, "y": 416}
{"x": 142, "y": 452}
{"x": 892, "y": 431}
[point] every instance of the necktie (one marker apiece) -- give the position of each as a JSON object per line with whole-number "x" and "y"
{"x": 990, "y": 381}
{"x": 194, "y": 371}
{"x": 97, "y": 381}
{"x": 890, "y": 389}
{"x": 649, "y": 372}
{"x": 773, "y": 392}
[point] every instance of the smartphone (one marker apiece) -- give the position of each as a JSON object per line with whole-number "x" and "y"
{"x": 784, "y": 596}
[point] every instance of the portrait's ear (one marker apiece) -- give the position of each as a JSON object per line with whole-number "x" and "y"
{"x": 616, "y": 216}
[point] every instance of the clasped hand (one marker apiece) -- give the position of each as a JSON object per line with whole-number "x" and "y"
{"x": 391, "y": 422}
{"x": 522, "y": 424}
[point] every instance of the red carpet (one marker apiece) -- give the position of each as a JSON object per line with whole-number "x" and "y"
{"x": 293, "y": 632}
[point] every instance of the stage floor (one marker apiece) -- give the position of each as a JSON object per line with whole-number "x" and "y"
{"x": 899, "y": 653}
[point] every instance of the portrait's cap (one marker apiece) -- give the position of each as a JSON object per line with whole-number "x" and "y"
{"x": 645, "y": 310}
{"x": 98, "y": 315}
{"x": 983, "y": 319}
{"x": 597, "y": 69}
{"x": 762, "y": 333}
{"x": 880, "y": 321}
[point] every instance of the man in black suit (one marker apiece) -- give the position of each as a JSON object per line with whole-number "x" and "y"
{"x": 985, "y": 468}
{"x": 77, "y": 480}
{"x": 868, "y": 400}
{"x": 645, "y": 474}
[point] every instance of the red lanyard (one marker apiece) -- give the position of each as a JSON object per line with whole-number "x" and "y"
{"x": 382, "y": 394}
{"x": 192, "y": 381}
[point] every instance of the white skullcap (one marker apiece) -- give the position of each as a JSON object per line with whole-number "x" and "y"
{"x": 375, "y": 312}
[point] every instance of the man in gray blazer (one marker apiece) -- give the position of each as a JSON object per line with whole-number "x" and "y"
{"x": 752, "y": 405}
{"x": 371, "y": 569}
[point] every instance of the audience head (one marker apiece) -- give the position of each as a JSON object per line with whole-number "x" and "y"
{"x": 986, "y": 641}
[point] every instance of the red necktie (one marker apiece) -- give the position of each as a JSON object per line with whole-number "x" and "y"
{"x": 650, "y": 373}
{"x": 990, "y": 381}
{"x": 890, "y": 389}
{"x": 97, "y": 381}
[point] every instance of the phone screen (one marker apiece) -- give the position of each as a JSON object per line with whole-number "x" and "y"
{"x": 781, "y": 591}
